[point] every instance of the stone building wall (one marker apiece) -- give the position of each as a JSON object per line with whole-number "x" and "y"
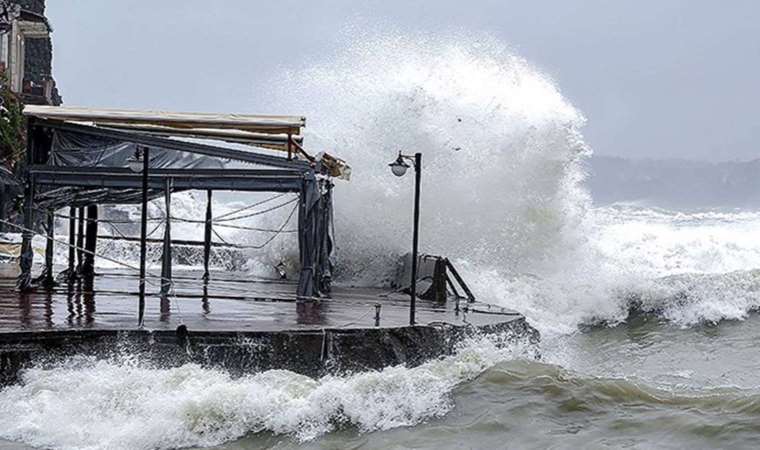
{"x": 37, "y": 85}
{"x": 35, "y": 6}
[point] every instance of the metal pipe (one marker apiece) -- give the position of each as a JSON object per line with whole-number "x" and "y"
{"x": 26, "y": 257}
{"x": 143, "y": 234}
{"x": 72, "y": 241}
{"x": 415, "y": 238}
{"x": 207, "y": 237}
{"x": 462, "y": 284}
{"x": 49, "y": 280}
{"x": 90, "y": 241}
{"x": 80, "y": 238}
{"x": 166, "y": 255}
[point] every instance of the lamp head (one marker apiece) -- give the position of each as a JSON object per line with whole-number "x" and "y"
{"x": 135, "y": 163}
{"x": 399, "y": 166}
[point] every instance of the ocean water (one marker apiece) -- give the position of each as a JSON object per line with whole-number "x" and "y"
{"x": 648, "y": 316}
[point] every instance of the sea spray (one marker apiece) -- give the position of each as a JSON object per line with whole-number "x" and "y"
{"x": 85, "y": 403}
{"x": 502, "y": 188}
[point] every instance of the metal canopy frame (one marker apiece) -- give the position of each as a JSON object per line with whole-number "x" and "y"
{"x": 182, "y": 179}
{"x": 52, "y": 187}
{"x": 173, "y": 144}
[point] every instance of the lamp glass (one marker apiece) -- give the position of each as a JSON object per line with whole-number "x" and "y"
{"x": 398, "y": 169}
{"x": 135, "y": 165}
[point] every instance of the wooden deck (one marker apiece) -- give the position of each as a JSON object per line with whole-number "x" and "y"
{"x": 230, "y": 302}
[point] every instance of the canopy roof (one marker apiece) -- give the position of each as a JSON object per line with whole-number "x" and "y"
{"x": 266, "y": 131}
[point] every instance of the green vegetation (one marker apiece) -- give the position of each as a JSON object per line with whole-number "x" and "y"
{"x": 12, "y": 126}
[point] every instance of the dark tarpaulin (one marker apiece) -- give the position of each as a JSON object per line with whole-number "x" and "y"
{"x": 315, "y": 238}
{"x": 72, "y": 149}
{"x": 80, "y": 150}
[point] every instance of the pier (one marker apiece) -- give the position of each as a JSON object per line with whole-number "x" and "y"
{"x": 78, "y": 161}
{"x": 242, "y": 326}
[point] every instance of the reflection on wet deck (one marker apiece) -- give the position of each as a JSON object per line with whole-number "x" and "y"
{"x": 229, "y": 302}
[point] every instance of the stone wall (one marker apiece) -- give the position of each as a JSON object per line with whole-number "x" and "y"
{"x": 38, "y": 86}
{"x": 35, "y": 6}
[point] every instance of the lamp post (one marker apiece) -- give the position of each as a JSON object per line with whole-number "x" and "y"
{"x": 140, "y": 164}
{"x": 399, "y": 168}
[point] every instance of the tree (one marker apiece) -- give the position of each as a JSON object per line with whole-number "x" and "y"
{"x": 12, "y": 125}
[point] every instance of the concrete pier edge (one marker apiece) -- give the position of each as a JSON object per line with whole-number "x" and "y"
{"x": 309, "y": 352}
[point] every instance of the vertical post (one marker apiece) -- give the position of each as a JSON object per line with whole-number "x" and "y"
{"x": 143, "y": 235}
{"x": 80, "y": 239}
{"x": 166, "y": 255}
{"x": 2, "y": 206}
{"x": 72, "y": 241}
{"x": 90, "y": 241}
{"x": 48, "y": 280}
{"x": 415, "y": 238}
{"x": 26, "y": 258}
{"x": 207, "y": 237}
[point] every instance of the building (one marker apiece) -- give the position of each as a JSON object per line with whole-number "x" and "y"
{"x": 26, "y": 51}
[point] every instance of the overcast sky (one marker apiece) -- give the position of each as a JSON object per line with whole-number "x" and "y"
{"x": 655, "y": 78}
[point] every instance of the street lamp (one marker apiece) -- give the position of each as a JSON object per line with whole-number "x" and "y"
{"x": 135, "y": 163}
{"x": 399, "y": 168}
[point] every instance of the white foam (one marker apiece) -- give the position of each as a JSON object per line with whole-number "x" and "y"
{"x": 121, "y": 404}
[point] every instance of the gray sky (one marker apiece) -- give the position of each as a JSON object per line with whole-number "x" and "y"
{"x": 655, "y": 78}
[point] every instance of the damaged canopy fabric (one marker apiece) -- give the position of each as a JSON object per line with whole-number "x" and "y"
{"x": 86, "y": 165}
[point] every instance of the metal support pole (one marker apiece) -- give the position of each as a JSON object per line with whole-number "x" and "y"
{"x": 72, "y": 242}
{"x": 80, "y": 239}
{"x": 166, "y": 256}
{"x": 90, "y": 241}
{"x": 462, "y": 284}
{"x": 207, "y": 237}
{"x": 377, "y": 314}
{"x": 48, "y": 280}
{"x": 2, "y": 207}
{"x": 26, "y": 258}
{"x": 415, "y": 239}
{"x": 143, "y": 235}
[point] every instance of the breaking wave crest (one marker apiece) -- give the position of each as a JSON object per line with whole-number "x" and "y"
{"x": 86, "y": 403}
{"x": 503, "y": 190}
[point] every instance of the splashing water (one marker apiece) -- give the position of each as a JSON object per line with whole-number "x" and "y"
{"x": 502, "y": 190}
{"x": 502, "y": 153}
{"x": 122, "y": 404}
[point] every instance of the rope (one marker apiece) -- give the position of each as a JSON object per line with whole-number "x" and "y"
{"x": 219, "y": 236}
{"x": 263, "y": 230}
{"x": 228, "y": 219}
{"x": 271, "y": 238}
{"x": 116, "y": 229}
{"x": 154, "y": 230}
{"x": 66, "y": 216}
{"x": 253, "y": 205}
{"x": 84, "y": 250}
{"x": 257, "y": 213}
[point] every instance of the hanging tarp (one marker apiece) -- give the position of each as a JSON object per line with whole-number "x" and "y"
{"x": 315, "y": 238}
{"x": 73, "y": 165}
{"x": 72, "y": 149}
